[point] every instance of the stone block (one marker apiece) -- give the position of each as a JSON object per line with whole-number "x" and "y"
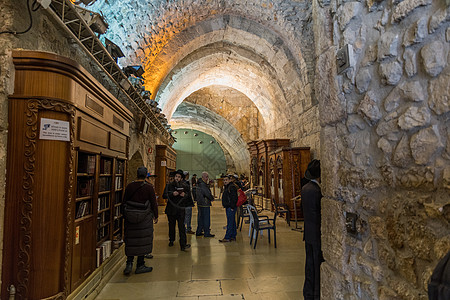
{"x": 403, "y": 9}
{"x": 370, "y": 55}
{"x": 363, "y": 79}
{"x": 437, "y": 19}
{"x": 347, "y": 12}
{"x": 414, "y": 117}
{"x": 434, "y": 57}
{"x": 415, "y": 33}
{"x": 331, "y": 107}
{"x": 391, "y": 72}
{"x": 439, "y": 88}
{"x": 402, "y": 153}
{"x": 388, "y": 45}
{"x": 410, "y": 60}
{"x": 368, "y": 108}
{"x": 425, "y": 143}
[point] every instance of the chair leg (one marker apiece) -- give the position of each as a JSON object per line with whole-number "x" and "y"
{"x": 275, "y": 237}
{"x": 251, "y": 235}
{"x": 288, "y": 218}
{"x": 256, "y": 239}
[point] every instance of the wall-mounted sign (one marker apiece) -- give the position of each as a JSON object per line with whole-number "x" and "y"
{"x": 56, "y": 130}
{"x": 163, "y": 163}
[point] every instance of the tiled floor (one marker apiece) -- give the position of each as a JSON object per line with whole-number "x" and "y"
{"x": 211, "y": 270}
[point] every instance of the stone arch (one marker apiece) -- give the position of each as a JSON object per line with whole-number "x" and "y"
{"x": 198, "y": 117}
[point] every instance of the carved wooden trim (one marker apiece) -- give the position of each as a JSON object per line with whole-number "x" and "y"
{"x": 31, "y": 136}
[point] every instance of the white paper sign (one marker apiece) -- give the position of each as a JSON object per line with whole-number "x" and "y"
{"x": 54, "y": 130}
{"x": 163, "y": 163}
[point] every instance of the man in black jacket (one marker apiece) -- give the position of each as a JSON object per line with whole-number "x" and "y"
{"x": 140, "y": 196}
{"x": 178, "y": 198}
{"x": 229, "y": 201}
{"x": 204, "y": 198}
{"x": 311, "y": 197}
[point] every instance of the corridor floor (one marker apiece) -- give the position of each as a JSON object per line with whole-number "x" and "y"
{"x": 212, "y": 270}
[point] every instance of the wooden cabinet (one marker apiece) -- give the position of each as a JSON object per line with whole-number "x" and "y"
{"x": 67, "y": 152}
{"x": 288, "y": 166}
{"x": 166, "y": 159}
{"x": 264, "y": 148}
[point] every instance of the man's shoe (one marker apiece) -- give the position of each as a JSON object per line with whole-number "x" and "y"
{"x": 128, "y": 269}
{"x": 224, "y": 240}
{"x": 149, "y": 256}
{"x": 186, "y": 247}
{"x": 233, "y": 239}
{"x": 199, "y": 234}
{"x": 170, "y": 244}
{"x": 210, "y": 235}
{"x": 190, "y": 232}
{"x": 143, "y": 269}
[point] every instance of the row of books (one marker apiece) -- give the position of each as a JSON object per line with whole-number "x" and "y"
{"x": 102, "y": 232}
{"x": 103, "y": 202}
{"x": 103, "y": 218}
{"x": 86, "y": 163}
{"x": 117, "y": 211}
{"x": 104, "y": 184}
{"x": 105, "y": 166}
{"x": 83, "y": 209}
{"x": 103, "y": 252}
{"x": 119, "y": 183}
{"x": 85, "y": 186}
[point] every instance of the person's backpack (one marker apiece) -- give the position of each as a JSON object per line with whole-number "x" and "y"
{"x": 439, "y": 286}
{"x": 242, "y": 197}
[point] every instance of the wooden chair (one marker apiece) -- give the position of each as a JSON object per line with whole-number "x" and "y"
{"x": 261, "y": 223}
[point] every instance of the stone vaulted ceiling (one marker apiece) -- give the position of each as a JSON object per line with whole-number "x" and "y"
{"x": 248, "y": 46}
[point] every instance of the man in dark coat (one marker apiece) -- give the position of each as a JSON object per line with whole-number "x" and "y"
{"x": 140, "y": 197}
{"x": 189, "y": 204}
{"x": 178, "y": 199}
{"x": 311, "y": 197}
{"x": 204, "y": 198}
{"x": 229, "y": 201}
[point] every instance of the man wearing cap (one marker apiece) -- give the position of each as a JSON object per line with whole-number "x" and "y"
{"x": 140, "y": 211}
{"x": 178, "y": 199}
{"x": 311, "y": 197}
{"x": 190, "y": 204}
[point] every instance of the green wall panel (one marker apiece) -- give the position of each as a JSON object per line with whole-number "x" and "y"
{"x": 197, "y": 157}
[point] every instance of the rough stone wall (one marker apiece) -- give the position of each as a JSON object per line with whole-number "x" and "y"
{"x": 385, "y": 145}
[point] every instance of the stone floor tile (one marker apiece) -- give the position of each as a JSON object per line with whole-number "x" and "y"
{"x": 199, "y": 288}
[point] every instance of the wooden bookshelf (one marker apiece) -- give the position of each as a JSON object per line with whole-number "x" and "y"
{"x": 58, "y": 234}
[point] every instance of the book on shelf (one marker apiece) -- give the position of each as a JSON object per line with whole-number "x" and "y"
{"x": 85, "y": 186}
{"x": 104, "y": 184}
{"x": 119, "y": 183}
{"x": 103, "y": 202}
{"x": 118, "y": 197}
{"x": 83, "y": 210}
{"x": 103, "y": 252}
{"x": 105, "y": 166}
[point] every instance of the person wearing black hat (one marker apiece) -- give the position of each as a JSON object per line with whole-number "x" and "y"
{"x": 311, "y": 198}
{"x": 178, "y": 199}
{"x": 140, "y": 211}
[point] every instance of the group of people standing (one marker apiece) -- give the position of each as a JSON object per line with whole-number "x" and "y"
{"x": 140, "y": 211}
